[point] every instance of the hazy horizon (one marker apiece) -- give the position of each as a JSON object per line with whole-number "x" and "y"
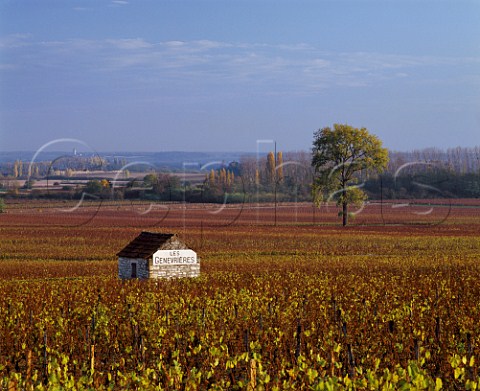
{"x": 263, "y": 151}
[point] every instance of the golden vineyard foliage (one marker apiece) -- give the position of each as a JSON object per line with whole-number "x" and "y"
{"x": 275, "y": 308}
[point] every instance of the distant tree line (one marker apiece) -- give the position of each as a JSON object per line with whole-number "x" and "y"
{"x": 63, "y": 166}
{"x": 429, "y": 173}
{"x": 456, "y": 160}
{"x": 433, "y": 183}
{"x": 286, "y": 176}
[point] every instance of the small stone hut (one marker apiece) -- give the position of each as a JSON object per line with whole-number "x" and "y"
{"x": 157, "y": 255}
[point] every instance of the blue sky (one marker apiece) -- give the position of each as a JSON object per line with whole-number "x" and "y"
{"x": 220, "y": 75}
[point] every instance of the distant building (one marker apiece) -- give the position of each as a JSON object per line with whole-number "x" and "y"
{"x": 157, "y": 255}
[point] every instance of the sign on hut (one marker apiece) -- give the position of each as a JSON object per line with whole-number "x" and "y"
{"x": 157, "y": 255}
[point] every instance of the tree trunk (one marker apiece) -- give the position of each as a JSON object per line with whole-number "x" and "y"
{"x": 345, "y": 213}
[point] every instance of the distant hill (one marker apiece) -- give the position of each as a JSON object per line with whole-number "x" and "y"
{"x": 173, "y": 160}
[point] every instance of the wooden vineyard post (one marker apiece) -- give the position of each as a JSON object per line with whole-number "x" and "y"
{"x": 351, "y": 361}
{"x": 29, "y": 364}
{"x": 252, "y": 385}
{"x": 332, "y": 363}
{"x": 245, "y": 341}
{"x": 92, "y": 358}
{"x": 416, "y": 350}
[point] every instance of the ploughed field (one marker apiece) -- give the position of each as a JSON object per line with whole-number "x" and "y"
{"x": 287, "y": 299}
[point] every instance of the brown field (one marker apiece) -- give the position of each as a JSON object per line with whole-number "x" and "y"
{"x": 58, "y": 231}
{"x": 288, "y": 299}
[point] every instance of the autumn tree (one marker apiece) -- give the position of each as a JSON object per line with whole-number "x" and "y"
{"x": 150, "y": 180}
{"x": 211, "y": 178}
{"x": 94, "y": 187}
{"x": 339, "y": 156}
{"x": 17, "y": 168}
{"x": 270, "y": 168}
{"x": 161, "y": 184}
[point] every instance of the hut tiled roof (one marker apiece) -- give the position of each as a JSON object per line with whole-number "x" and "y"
{"x": 144, "y": 245}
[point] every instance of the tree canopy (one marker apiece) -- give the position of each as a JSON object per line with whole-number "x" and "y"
{"x": 339, "y": 155}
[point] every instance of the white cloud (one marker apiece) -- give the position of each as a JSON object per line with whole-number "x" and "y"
{"x": 266, "y": 68}
{"x": 14, "y": 41}
{"x": 174, "y": 44}
{"x": 136, "y": 43}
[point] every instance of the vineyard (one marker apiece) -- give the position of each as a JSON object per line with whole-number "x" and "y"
{"x": 287, "y": 299}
